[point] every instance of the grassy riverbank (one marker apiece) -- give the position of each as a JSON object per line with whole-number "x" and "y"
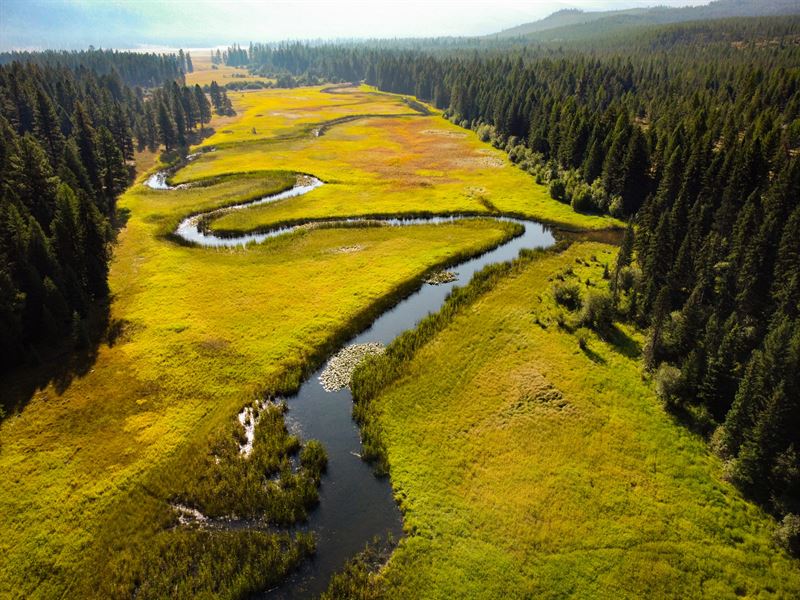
{"x": 528, "y": 464}
{"x": 412, "y": 164}
{"x": 202, "y": 331}
{"x": 93, "y": 449}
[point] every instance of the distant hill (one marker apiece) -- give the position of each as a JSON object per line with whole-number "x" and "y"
{"x": 572, "y": 24}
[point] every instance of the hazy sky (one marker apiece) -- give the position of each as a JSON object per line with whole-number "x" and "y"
{"x": 195, "y": 23}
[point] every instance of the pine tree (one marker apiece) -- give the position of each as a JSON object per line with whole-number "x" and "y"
{"x": 216, "y": 96}
{"x": 48, "y": 128}
{"x": 203, "y": 107}
{"x": 86, "y": 139}
{"x": 636, "y": 179}
{"x": 115, "y": 173}
{"x": 166, "y": 128}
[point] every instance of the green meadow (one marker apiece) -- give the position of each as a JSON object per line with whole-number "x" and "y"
{"x": 532, "y": 459}
{"x": 92, "y": 455}
{"x": 594, "y": 492}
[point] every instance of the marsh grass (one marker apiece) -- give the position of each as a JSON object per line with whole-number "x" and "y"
{"x": 93, "y": 464}
{"x": 360, "y": 579}
{"x": 377, "y": 372}
{"x": 506, "y": 493}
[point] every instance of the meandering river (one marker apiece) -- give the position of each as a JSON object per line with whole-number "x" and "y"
{"x": 355, "y": 506}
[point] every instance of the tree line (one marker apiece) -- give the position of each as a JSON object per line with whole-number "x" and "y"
{"x": 692, "y": 133}
{"x": 67, "y": 139}
{"x": 133, "y": 68}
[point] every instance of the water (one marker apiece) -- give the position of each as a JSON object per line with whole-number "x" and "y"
{"x": 355, "y": 506}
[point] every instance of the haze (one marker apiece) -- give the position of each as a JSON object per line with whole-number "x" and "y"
{"x": 38, "y": 24}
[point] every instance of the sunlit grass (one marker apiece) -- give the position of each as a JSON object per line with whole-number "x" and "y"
{"x": 204, "y": 73}
{"x": 527, "y": 466}
{"x": 203, "y": 330}
{"x": 412, "y": 164}
{"x": 279, "y": 113}
{"x": 88, "y": 462}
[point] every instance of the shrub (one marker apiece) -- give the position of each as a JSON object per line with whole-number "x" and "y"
{"x": 615, "y": 209}
{"x": 485, "y": 133}
{"x": 788, "y": 533}
{"x": 557, "y": 190}
{"x": 582, "y": 201}
{"x": 568, "y": 295}
{"x": 598, "y": 311}
{"x": 629, "y": 278}
{"x": 669, "y": 385}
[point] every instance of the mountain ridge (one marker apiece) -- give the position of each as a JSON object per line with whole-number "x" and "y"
{"x": 571, "y": 23}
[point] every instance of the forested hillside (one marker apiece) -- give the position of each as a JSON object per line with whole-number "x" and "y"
{"x": 574, "y": 24}
{"x": 693, "y": 133}
{"x": 133, "y": 68}
{"x": 68, "y": 136}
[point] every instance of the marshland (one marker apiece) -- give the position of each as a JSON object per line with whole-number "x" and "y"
{"x": 477, "y": 317}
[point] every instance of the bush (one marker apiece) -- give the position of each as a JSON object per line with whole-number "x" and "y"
{"x": 615, "y": 209}
{"x": 557, "y": 190}
{"x": 598, "y": 311}
{"x": 788, "y": 534}
{"x": 669, "y": 385}
{"x": 485, "y": 132}
{"x": 629, "y": 278}
{"x": 582, "y": 201}
{"x": 568, "y": 295}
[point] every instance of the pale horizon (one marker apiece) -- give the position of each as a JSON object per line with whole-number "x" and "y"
{"x": 157, "y": 25}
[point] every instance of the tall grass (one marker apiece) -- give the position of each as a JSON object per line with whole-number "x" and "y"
{"x": 377, "y": 372}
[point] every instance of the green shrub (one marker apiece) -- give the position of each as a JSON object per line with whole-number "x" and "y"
{"x": 582, "y": 201}
{"x": 629, "y": 278}
{"x": 568, "y": 294}
{"x": 669, "y": 385}
{"x": 598, "y": 311}
{"x": 557, "y": 190}
{"x": 788, "y": 534}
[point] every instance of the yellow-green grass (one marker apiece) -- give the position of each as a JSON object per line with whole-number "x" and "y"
{"x": 281, "y": 112}
{"x": 88, "y": 459}
{"x": 527, "y": 467}
{"x": 405, "y": 165}
{"x": 204, "y": 73}
{"x": 202, "y": 330}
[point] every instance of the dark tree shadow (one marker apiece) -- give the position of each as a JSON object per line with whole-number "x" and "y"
{"x": 197, "y": 136}
{"x": 593, "y": 356}
{"x": 621, "y": 342}
{"x": 54, "y": 363}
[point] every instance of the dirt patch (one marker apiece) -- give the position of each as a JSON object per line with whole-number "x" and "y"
{"x": 443, "y": 133}
{"x": 212, "y": 346}
{"x": 532, "y": 394}
{"x": 480, "y": 162}
{"x": 347, "y": 249}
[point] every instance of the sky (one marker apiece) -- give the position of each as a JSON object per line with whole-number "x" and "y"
{"x": 38, "y": 24}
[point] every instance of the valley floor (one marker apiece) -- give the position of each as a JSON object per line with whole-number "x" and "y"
{"x": 526, "y": 466}
{"x": 504, "y": 494}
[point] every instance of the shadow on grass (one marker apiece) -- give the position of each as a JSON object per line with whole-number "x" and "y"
{"x": 121, "y": 216}
{"x": 56, "y": 363}
{"x": 693, "y": 418}
{"x": 593, "y": 356}
{"x": 621, "y": 342}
